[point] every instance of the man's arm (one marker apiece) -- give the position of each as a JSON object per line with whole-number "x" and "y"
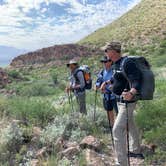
{"x": 134, "y": 76}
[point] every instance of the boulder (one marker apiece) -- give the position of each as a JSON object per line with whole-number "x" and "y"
{"x": 41, "y": 152}
{"x": 91, "y": 142}
{"x": 36, "y": 131}
{"x": 34, "y": 162}
{"x": 96, "y": 159}
{"x": 69, "y": 153}
{"x": 58, "y": 145}
{"x": 148, "y": 149}
{"x": 70, "y": 144}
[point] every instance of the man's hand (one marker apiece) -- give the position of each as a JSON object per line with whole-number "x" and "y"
{"x": 102, "y": 87}
{"x": 68, "y": 89}
{"x": 96, "y": 88}
{"x": 128, "y": 95}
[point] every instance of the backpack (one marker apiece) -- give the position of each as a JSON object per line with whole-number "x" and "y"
{"x": 148, "y": 80}
{"x": 87, "y": 76}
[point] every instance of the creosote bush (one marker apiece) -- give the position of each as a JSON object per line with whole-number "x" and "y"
{"x": 34, "y": 111}
{"x": 10, "y": 142}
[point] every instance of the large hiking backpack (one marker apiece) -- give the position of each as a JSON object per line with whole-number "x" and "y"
{"x": 148, "y": 81}
{"x": 87, "y": 76}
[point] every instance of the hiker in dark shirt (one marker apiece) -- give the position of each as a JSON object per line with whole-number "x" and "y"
{"x": 126, "y": 88}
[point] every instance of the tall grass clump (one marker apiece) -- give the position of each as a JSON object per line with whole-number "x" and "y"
{"x": 38, "y": 112}
{"x": 36, "y": 89}
{"x": 151, "y": 116}
{"x": 3, "y": 105}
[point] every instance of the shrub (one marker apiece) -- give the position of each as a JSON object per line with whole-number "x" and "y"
{"x": 35, "y": 111}
{"x": 151, "y": 117}
{"x": 3, "y": 105}
{"x": 10, "y": 142}
{"x": 35, "y": 89}
{"x": 163, "y": 44}
{"x": 14, "y": 74}
{"x": 54, "y": 77}
{"x": 54, "y": 130}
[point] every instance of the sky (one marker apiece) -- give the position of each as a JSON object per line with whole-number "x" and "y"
{"x": 34, "y": 24}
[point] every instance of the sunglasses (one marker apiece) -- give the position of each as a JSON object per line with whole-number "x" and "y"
{"x": 107, "y": 61}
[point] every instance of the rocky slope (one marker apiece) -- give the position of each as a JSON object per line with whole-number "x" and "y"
{"x": 144, "y": 24}
{"x": 53, "y": 55}
{"x": 4, "y": 79}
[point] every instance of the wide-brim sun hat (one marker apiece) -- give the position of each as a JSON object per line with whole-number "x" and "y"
{"x": 71, "y": 62}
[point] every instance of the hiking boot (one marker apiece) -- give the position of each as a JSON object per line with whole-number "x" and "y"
{"x": 136, "y": 155}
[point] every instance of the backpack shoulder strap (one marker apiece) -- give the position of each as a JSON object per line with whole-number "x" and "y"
{"x": 124, "y": 60}
{"x": 75, "y": 74}
{"x": 101, "y": 72}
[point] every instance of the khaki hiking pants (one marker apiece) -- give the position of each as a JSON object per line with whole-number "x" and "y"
{"x": 119, "y": 133}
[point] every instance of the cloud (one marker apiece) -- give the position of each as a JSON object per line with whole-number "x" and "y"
{"x": 33, "y": 24}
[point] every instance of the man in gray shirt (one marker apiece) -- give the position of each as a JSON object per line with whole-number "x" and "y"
{"x": 77, "y": 85}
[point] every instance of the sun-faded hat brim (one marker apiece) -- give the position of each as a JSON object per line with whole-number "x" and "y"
{"x": 111, "y": 46}
{"x": 71, "y": 62}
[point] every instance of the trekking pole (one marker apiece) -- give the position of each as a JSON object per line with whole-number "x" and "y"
{"x": 71, "y": 101}
{"x": 127, "y": 130}
{"x": 94, "y": 116}
{"x": 68, "y": 95}
{"x": 110, "y": 126}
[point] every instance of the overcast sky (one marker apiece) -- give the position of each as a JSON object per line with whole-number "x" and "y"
{"x": 33, "y": 24}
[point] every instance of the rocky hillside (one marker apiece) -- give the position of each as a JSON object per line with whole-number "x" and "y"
{"x": 54, "y": 55}
{"x": 144, "y": 24}
{"x": 4, "y": 79}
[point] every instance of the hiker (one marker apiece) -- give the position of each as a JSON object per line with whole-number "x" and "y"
{"x": 126, "y": 89}
{"x": 109, "y": 100}
{"x": 77, "y": 85}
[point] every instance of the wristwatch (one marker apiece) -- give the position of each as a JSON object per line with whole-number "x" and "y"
{"x": 106, "y": 82}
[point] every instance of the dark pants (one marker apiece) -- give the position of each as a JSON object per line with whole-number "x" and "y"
{"x": 109, "y": 105}
{"x": 81, "y": 99}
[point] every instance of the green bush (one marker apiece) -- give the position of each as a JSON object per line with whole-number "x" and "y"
{"x": 163, "y": 44}
{"x": 34, "y": 111}
{"x": 14, "y": 74}
{"x": 54, "y": 77}
{"x": 10, "y": 142}
{"x": 3, "y": 105}
{"x": 151, "y": 114}
{"x": 151, "y": 117}
{"x": 35, "y": 89}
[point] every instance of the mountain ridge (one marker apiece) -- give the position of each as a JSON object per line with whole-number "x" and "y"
{"x": 142, "y": 25}
{"x": 54, "y": 55}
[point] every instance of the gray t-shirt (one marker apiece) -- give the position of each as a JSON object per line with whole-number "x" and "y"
{"x": 78, "y": 80}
